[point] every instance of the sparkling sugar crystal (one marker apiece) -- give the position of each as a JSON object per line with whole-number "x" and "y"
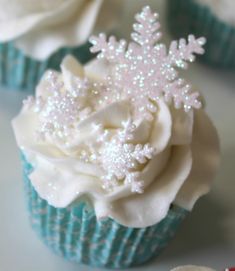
{"x": 144, "y": 71}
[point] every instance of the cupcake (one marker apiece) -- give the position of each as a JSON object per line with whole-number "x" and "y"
{"x": 116, "y": 153}
{"x": 213, "y": 19}
{"x": 192, "y": 268}
{"x": 35, "y": 36}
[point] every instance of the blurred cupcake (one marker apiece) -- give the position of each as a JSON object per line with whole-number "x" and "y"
{"x": 192, "y": 268}
{"x": 213, "y": 19}
{"x": 36, "y": 35}
{"x": 116, "y": 153}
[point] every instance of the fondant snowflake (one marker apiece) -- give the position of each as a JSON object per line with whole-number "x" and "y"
{"x": 144, "y": 71}
{"x": 62, "y": 107}
{"x": 121, "y": 161}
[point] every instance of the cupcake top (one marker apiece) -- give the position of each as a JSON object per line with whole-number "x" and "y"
{"x": 224, "y": 9}
{"x": 125, "y": 133}
{"x": 41, "y": 27}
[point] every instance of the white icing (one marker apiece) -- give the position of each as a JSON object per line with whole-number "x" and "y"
{"x": 224, "y": 9}
{"x": 181, "y": 170}
{"x": 192, "y": 268}
{"x": 40, "y": 28}
{"x": 201, "y": 176}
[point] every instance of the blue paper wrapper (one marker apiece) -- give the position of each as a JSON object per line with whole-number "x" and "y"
{"x": 188, "y": 17}
{"x": 19, "y": 72}
{"x": 76, "y": 234}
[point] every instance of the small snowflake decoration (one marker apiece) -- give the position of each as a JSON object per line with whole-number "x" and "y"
{"x": 144, "y": 71}
{"x": 121, "y": 161}
{"x": 61, "y": 109}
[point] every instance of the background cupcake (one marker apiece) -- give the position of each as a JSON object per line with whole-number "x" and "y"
{"x": 192, "y": 268}
{"x": 111, "y": 166}
{"x": 37, "y": 35}
{"x": 213, "y": 19}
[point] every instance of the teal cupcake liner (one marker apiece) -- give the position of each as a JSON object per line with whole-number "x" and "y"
{"x": 20, "y": 72}
{"x": 76, "y": 234}
{"x": 188, "y": 17}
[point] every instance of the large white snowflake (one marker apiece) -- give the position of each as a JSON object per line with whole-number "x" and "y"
{"x": 145, "y": 71}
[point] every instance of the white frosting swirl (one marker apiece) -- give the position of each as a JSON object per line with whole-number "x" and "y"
{"x": 180, "y": 169}
{"x": 224, "y": 9}
{"x": 41, "y": 27}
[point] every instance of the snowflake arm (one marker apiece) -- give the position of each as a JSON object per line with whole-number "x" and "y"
{"x": 142, "y": 153}
{"x": 112, "y": 50}
{"x": 180, "y": 93}
{"x": 146, "y": 30}
{"x": 126, "y": 134}
{"x": 180, "y": 51}
{"x": 137, "y": 185}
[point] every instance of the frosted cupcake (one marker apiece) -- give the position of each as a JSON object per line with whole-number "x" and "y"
{"x": 213, "y": 19}
{"x": 36, "y": 35}
{"x": 192, "y": 268}
{"x": 116, "y": 153}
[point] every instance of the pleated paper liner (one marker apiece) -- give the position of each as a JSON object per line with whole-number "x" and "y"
{"x": 19, "y": 72}
{"x": 76, "y": 234}
{"x": 188, "y": 17}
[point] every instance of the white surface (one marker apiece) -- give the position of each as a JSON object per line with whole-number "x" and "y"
{"x": 207, "y": 236}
